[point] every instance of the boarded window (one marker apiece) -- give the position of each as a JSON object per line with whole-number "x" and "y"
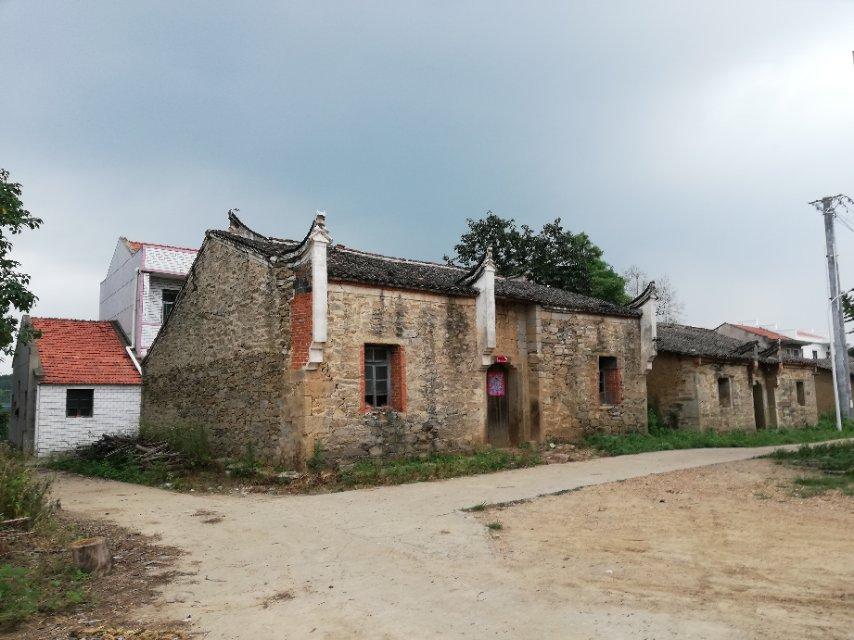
{"x": 79, "y": 403}
{"x": 800, "y": 392}
{"x": 724, "y": 392}
{"x": 610, "y": 392}
{"x": 169, "y": 297}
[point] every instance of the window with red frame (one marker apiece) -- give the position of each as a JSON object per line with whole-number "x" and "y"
{"x": 609, "y": 381}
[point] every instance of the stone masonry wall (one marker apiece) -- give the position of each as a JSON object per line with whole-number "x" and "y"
{"x": 568, "y": 372}
{"x": 672, "y": 390}
{"x": 222, "y": 359}
{"x": 444, "y": 395}
{"x": 738, "y": 415}
{"x": 790, "y": 413}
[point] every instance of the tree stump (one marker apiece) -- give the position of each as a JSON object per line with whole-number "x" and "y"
{"x": 92, "y": 555}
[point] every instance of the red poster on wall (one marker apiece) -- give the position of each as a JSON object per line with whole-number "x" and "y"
{"x": 495, "y": 383}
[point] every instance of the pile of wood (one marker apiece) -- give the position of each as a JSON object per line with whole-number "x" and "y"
{"x": 129, "y": 447}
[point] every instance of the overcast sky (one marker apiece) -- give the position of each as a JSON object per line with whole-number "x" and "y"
{"x": 684, "y": 137}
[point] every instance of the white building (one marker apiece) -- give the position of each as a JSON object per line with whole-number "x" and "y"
{"x": 74, "y": 383}
{"x": 142, "y": 283}
{"x": 815, "y": 347}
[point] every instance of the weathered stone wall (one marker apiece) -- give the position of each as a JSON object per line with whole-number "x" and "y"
{"x": 790, "y": 413}
{"x": 444, "y": 395}
{"x": 221, "y": 360}
{"x": 738, "y": 414}
{"x": 824, "y": 398}
{"x": 568, "y": 375}
{"x": 672, "y": 390}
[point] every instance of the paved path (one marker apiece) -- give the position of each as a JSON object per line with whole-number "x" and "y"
{"x": 390, "y": 562}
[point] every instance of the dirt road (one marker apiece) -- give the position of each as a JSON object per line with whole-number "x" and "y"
{"x": 405, "y": 562}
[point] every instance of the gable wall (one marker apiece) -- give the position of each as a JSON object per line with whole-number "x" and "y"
{"x": 568, "y": 375}
{"x": 119, "y": 289}
{"x": 221, "y": 360}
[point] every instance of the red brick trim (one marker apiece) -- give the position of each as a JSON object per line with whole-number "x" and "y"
{"x": 301, "y": 329}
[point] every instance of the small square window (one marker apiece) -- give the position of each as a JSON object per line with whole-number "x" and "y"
{"x": 79, "y": 403}
{"x": 609, "y": 381}
{"x": 800, "y": 392}
{"x": 724, "y": 392}
{"x": 168, "y": 296}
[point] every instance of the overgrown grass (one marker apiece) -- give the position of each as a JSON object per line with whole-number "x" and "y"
{"x": 22, "y": 493}
{"x": 122, "y": 470}
{"x": 48, "y": 586}
{"x": 31, "y": 581}
{"x": 833, "y": 462}
{"x": 661, "y": 438}
{"x": 437, "y": 466}
{"x": 190, "y": 440}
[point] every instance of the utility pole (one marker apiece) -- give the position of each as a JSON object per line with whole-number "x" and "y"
{"x": 839, "y": 348}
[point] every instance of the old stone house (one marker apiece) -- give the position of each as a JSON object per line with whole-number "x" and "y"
{"x": 302, "y": 346}
{"x": 704, "y": 380}
{"x": 824, "y": 387}
{"x": 74, "y": 383}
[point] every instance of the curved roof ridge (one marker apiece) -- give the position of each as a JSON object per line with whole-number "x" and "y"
{"x": 428, "y": 263}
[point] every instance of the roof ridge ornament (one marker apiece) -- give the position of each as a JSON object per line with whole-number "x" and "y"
{"x": 486, "y": 262}
{"x": 644, "y": 296}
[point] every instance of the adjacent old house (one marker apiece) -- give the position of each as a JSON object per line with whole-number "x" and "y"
{"x": 304, "y": 347}
{"x": 824, "y": 387}
{"x": 790, "y": 346}
{"x": 702, "y": 379}
{"x": 74, "y": 383}
{"x": 141, "y": 286}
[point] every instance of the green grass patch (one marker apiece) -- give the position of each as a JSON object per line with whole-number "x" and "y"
{"x": 833, "y": 465}
{"x": 495, "y": 526}
{"x": 49, "y": 586}
{"x": 434, "y": 467}
{"x": 663, "y": 439}
{"x": 122, "y": 470}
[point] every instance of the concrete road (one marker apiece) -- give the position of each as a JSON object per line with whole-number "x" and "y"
{"x": 390, "y": 562}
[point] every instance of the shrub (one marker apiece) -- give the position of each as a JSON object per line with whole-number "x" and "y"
{"x": 4, "y": 426}
{"x": 318, "y": 459}
{"x": 190, "y": 440}
{"x": 22, "y": 492}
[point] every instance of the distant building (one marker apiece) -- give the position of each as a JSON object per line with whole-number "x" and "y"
{"x": 791, "y": 347}
{"x": 73, "y": 384}
{"x": 141, "y": 286}
{"x": 814, "y": 346}
{"x": 704, "y": 380}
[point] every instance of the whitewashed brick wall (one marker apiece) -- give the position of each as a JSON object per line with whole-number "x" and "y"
{"x": 168, "y": 260}
{"x": 115, "y": 410}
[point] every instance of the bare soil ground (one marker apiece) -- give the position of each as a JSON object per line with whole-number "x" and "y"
{"x": 699, "y": 552}
{"x": 140, "y": 568}
{"x": 727, "y": 543}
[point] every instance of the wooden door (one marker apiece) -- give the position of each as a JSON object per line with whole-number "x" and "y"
{"x": 497, "y": 407}
{"x": 759, "y": 406}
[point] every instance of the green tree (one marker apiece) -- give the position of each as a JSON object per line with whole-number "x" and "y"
{"x": 14, "y": 292}
{"x": 553, "y": 256}
{"x": 848, "y": 308}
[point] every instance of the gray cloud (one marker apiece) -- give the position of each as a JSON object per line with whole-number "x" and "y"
{"x": 684, "y": 137}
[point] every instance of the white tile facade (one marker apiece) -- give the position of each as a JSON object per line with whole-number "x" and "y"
{"x": 115, "y": 409}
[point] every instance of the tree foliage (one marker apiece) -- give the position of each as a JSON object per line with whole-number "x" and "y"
{"x": 669, "y": 307}
{"x": 848, "y": 308}
{"x": 14, "y": 285}
{"x": 553, "y": 256}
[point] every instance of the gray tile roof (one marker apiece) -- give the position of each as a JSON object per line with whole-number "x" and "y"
{"x": 696, "y": 341}
{"x": 349, "y": 265}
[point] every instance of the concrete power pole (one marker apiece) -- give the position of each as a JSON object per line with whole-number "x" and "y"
{"x": 840, "y": 352}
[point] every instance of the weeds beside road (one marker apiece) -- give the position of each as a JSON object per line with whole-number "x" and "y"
{"x": 833, "y": 465}
{"x": 661, "y": 438}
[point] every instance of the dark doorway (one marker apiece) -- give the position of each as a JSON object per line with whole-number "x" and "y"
{"x": 498, "y": 418}
{"x": 759, "y": 406}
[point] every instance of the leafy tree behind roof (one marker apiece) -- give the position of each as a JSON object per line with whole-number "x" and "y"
{"x": 15, "y": 295}
{"x": 553, "y": 256}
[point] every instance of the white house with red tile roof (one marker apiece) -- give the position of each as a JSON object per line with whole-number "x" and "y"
{"x": 765, "y": 337}
{"x": 142, "y": 282}
{"x": 74, "y": 383}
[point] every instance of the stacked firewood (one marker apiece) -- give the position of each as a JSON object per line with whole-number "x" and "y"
{"x": 120, "y": 446}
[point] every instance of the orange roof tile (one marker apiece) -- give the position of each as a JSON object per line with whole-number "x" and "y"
{"x": 765, "y": 333}
{"x": 83, "y": 352}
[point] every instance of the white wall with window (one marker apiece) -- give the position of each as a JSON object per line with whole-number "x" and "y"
{"x": 69, "y": 416}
